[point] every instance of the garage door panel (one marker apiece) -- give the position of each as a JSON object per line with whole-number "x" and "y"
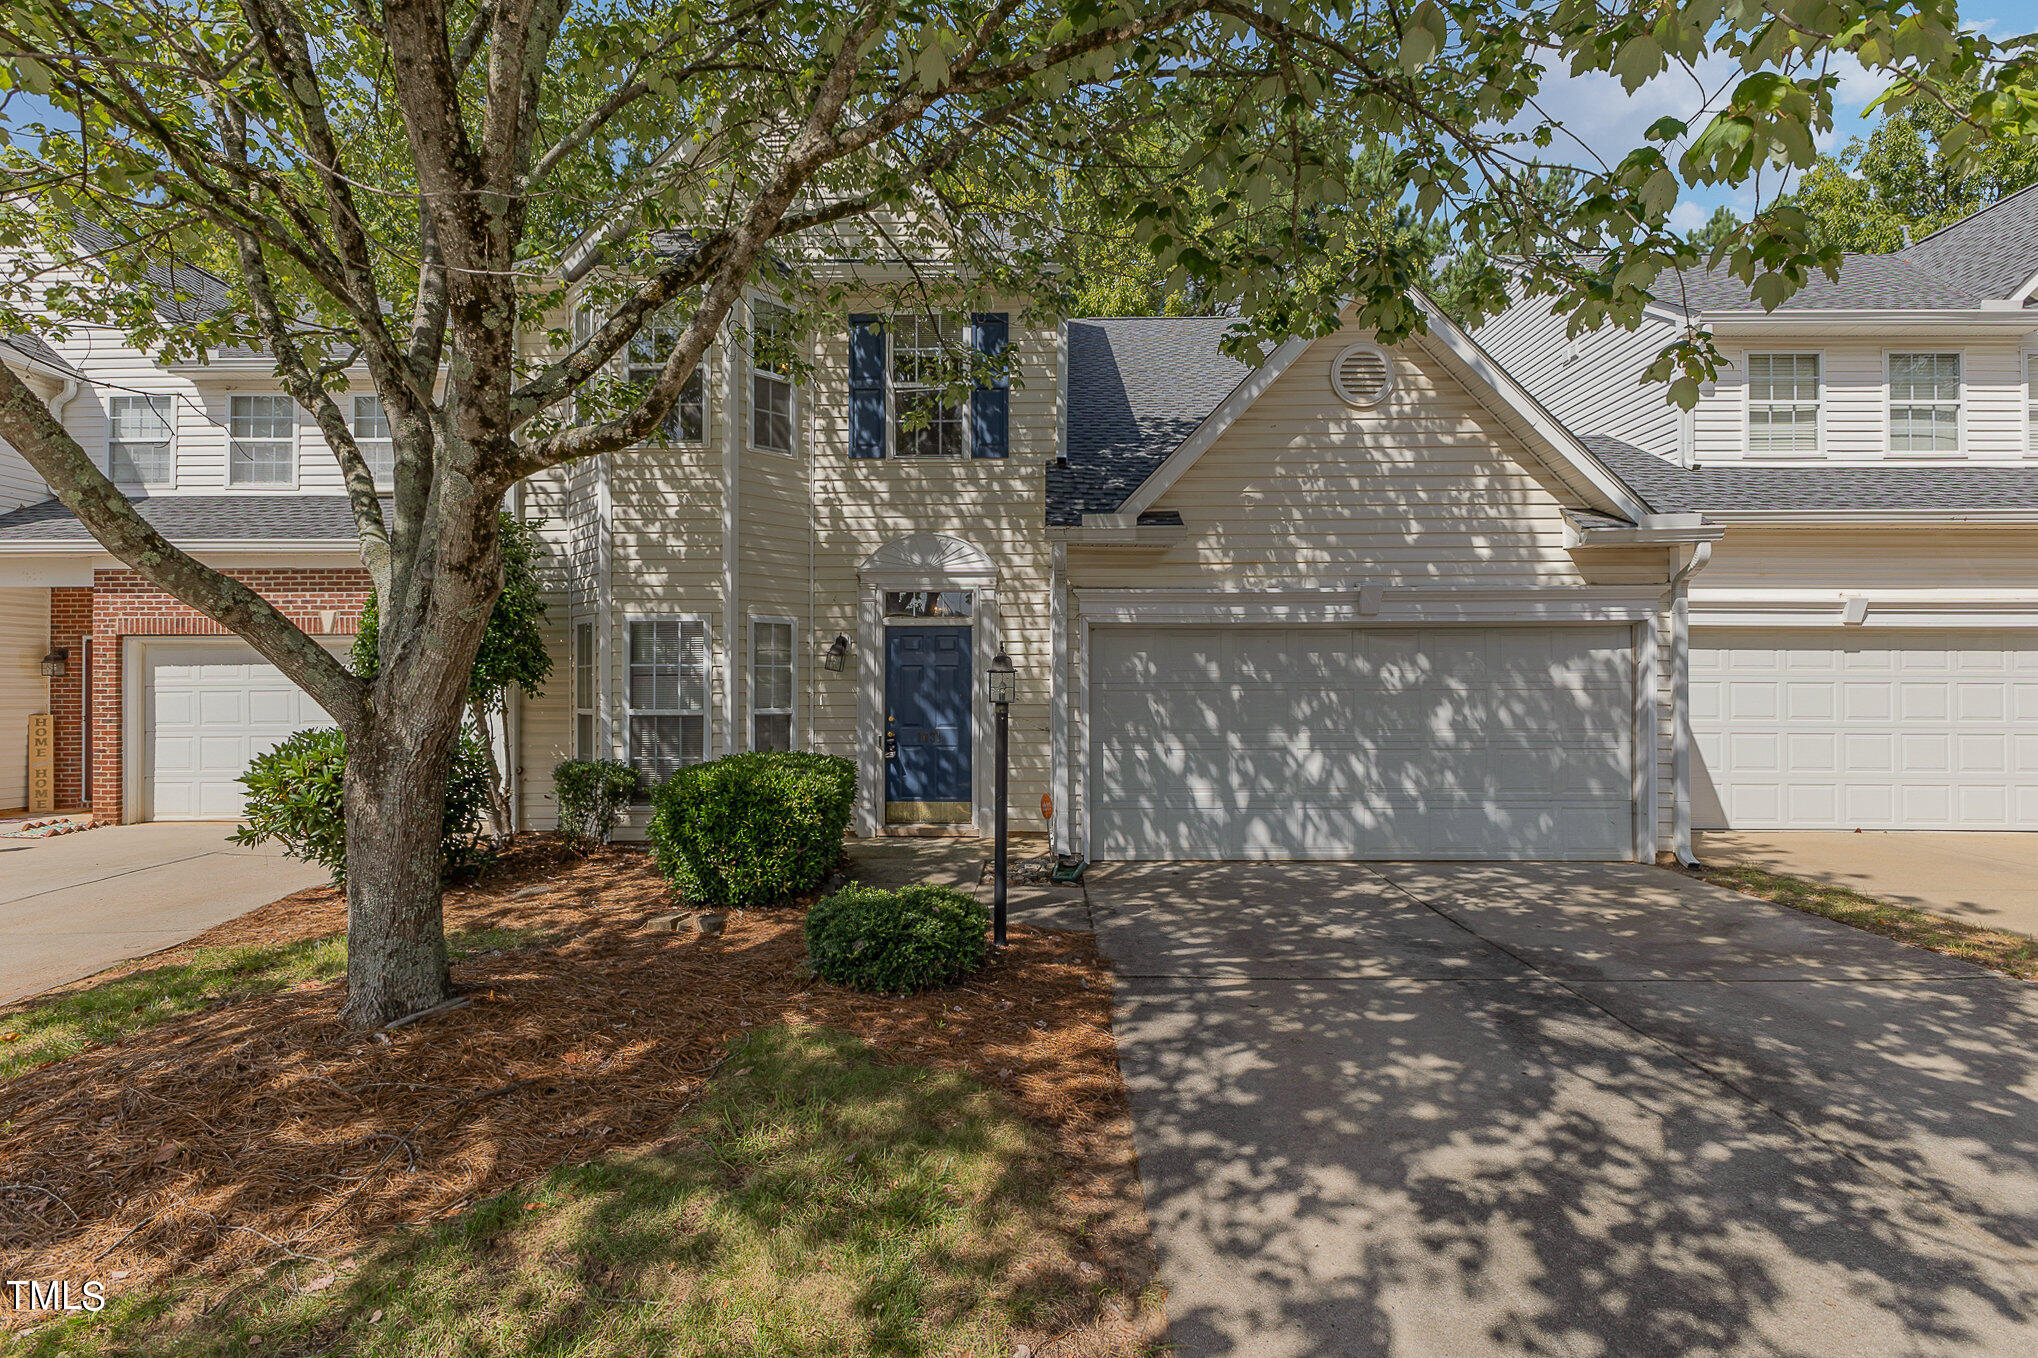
{"x": 1346, "y": 742}
{"x": 207, "y": 710}
{"x": 1872, "y": 731}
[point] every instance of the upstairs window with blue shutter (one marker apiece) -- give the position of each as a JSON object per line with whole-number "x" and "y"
{"x": 866, "y": 387}
{"x": 990, "y": 405}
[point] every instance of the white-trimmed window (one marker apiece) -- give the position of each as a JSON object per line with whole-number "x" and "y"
{"x": 1783, "y": 405}
{"x": 263, "y": 431}
{"x": 771, "y": 684}
{"x": 2031, "y": 401}
{"x": 771, "y": 377}
{"x": 1924, "y": 403}
{"x": 583, "y": 691}
{"x": 667, "y": 693}
{"x": 138, "y": 440}
{"x": 925, "y": 422}
{"x": 686, "y": 422}
{"x": 371, "y": 435}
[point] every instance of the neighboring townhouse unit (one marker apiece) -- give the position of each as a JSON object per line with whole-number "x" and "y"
{"x": 158, "y": 709}
{"x": 1865, "y": 636}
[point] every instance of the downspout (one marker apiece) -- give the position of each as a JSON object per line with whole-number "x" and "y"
{"x": 1058, "y": 695}
{"x": 1680, "y": 699}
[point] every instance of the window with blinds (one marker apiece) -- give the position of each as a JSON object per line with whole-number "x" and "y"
{"x": 771, "y": 680}
{"x": 1924, "y": 403}
{"x": 1783, "y": 405}
{"x": 263, "y": 447}
{"x": 666, "y": 690}
{"x": 138, "y": 440}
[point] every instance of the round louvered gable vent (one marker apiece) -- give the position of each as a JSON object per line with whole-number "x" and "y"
{"x": 1362, "y": 374}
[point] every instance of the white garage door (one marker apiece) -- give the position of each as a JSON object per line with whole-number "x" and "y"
{"x": 207, "y": 709}
{"x": 1234, "y": 742}
{"x": 1892, "y": 731}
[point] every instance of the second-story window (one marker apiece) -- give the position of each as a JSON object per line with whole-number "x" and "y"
{"x": 1924, "y": 403}
{"x": 2031, "y": 401}
{"x": 138, "y": 440}
{"x": 372, "y": 437}
{"x": 263, "y": 430}
{"x": 771, "y": 377}
{"x": 1783, "y": 404}
{"x": 925, "y": 421}
{"x": 686, "y": 422}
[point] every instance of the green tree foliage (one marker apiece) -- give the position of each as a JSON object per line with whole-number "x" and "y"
{"x": 512, "y": 651}
{"x": 1903, "y": 182}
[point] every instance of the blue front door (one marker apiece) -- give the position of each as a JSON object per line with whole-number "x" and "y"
{"x": 927, "y": 723}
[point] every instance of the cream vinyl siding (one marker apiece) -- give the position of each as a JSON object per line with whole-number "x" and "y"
{"x": 1855, "y": 395}
{"x": 1426, "y": 487}
{"x": 545, "y": 723}
{"x": 1593, "y": 384}
{"x": 24, "y": 637}
{"x": 1941, "y": 559}
{"x": 996, "y": 504}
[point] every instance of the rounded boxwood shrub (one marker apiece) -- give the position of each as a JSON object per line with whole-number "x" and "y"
{"x": 294, "y": 798}
{"x": 752, "y": 829}
{"x": 592, "y": 794}
{"x": 897, "y": 942}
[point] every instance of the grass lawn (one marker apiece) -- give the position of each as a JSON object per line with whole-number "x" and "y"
{"x": 814, "y": 1200}
{"x": 66, "y": 1022}
{"x": 2002, "y": 950}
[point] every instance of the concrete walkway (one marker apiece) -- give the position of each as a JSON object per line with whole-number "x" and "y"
{"x": 79, "y": 903}
{"x": 1440, "y": 1109}
{"x": 1983, "y": 876}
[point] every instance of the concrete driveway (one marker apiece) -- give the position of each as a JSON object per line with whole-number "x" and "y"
{"x": 1986, "y": 877}
{"x": 79, "y": 903}
{"x": 1435, "y": 1109}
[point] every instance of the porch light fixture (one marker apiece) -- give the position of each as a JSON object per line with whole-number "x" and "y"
{"x": 57, "y": 663}
{"x": 1004, "y": 681}
{"x": 838, "y": 651}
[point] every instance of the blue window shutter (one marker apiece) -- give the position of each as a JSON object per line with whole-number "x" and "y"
{"x": 866, "y": 387}
{"x": 990, "y": 408}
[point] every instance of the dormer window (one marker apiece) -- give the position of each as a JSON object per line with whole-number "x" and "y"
{"x": 1924, "y": 404}
{"x": 1784, "y": 392}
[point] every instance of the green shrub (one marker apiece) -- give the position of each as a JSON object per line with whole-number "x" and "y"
{"x": 897, "y": 942}
{"x": 592, "y": 794}
{"x": 752, "y": 829}
{"x": 294, "y": 798}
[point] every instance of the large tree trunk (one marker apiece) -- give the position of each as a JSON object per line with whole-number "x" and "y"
{"x": 396, "y": 934}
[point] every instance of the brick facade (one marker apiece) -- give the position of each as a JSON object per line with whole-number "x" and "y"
{"x": 121, "y": 604}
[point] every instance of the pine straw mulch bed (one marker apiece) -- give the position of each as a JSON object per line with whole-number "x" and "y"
{"x": 262, "y": 1130}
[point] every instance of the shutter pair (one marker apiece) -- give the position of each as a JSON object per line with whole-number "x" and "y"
{"x": 989, "y": 407}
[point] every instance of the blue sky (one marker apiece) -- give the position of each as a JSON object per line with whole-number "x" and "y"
{"x": 1608, "y": 119}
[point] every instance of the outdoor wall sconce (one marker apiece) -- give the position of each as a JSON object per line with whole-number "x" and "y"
{"x": 838, "y": 651}
{"x": 57, "y": 663}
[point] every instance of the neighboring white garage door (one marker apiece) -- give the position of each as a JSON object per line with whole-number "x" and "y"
{"x": 1337, "y": 742}
{"x": 207, "y": 709}
{"x": 1809, "y": 729}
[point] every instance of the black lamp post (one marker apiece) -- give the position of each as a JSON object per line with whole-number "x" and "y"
{"x": 1004, "y": 687}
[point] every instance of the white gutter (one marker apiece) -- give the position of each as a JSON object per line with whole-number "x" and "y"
{"x": 1878, "y": 518}
{"x": 228, "y": 547}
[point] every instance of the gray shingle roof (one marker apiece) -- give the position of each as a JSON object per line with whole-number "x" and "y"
{"x": 1994, "y": 252}
{"x": 1985, "y": 256}
{"x": 37, "y": 348}
{"x": 198, "y": 518}
{"x": 1671, "y": 489}
{"x": 185, "y": 293}
{"x": 1137, "y": 386}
